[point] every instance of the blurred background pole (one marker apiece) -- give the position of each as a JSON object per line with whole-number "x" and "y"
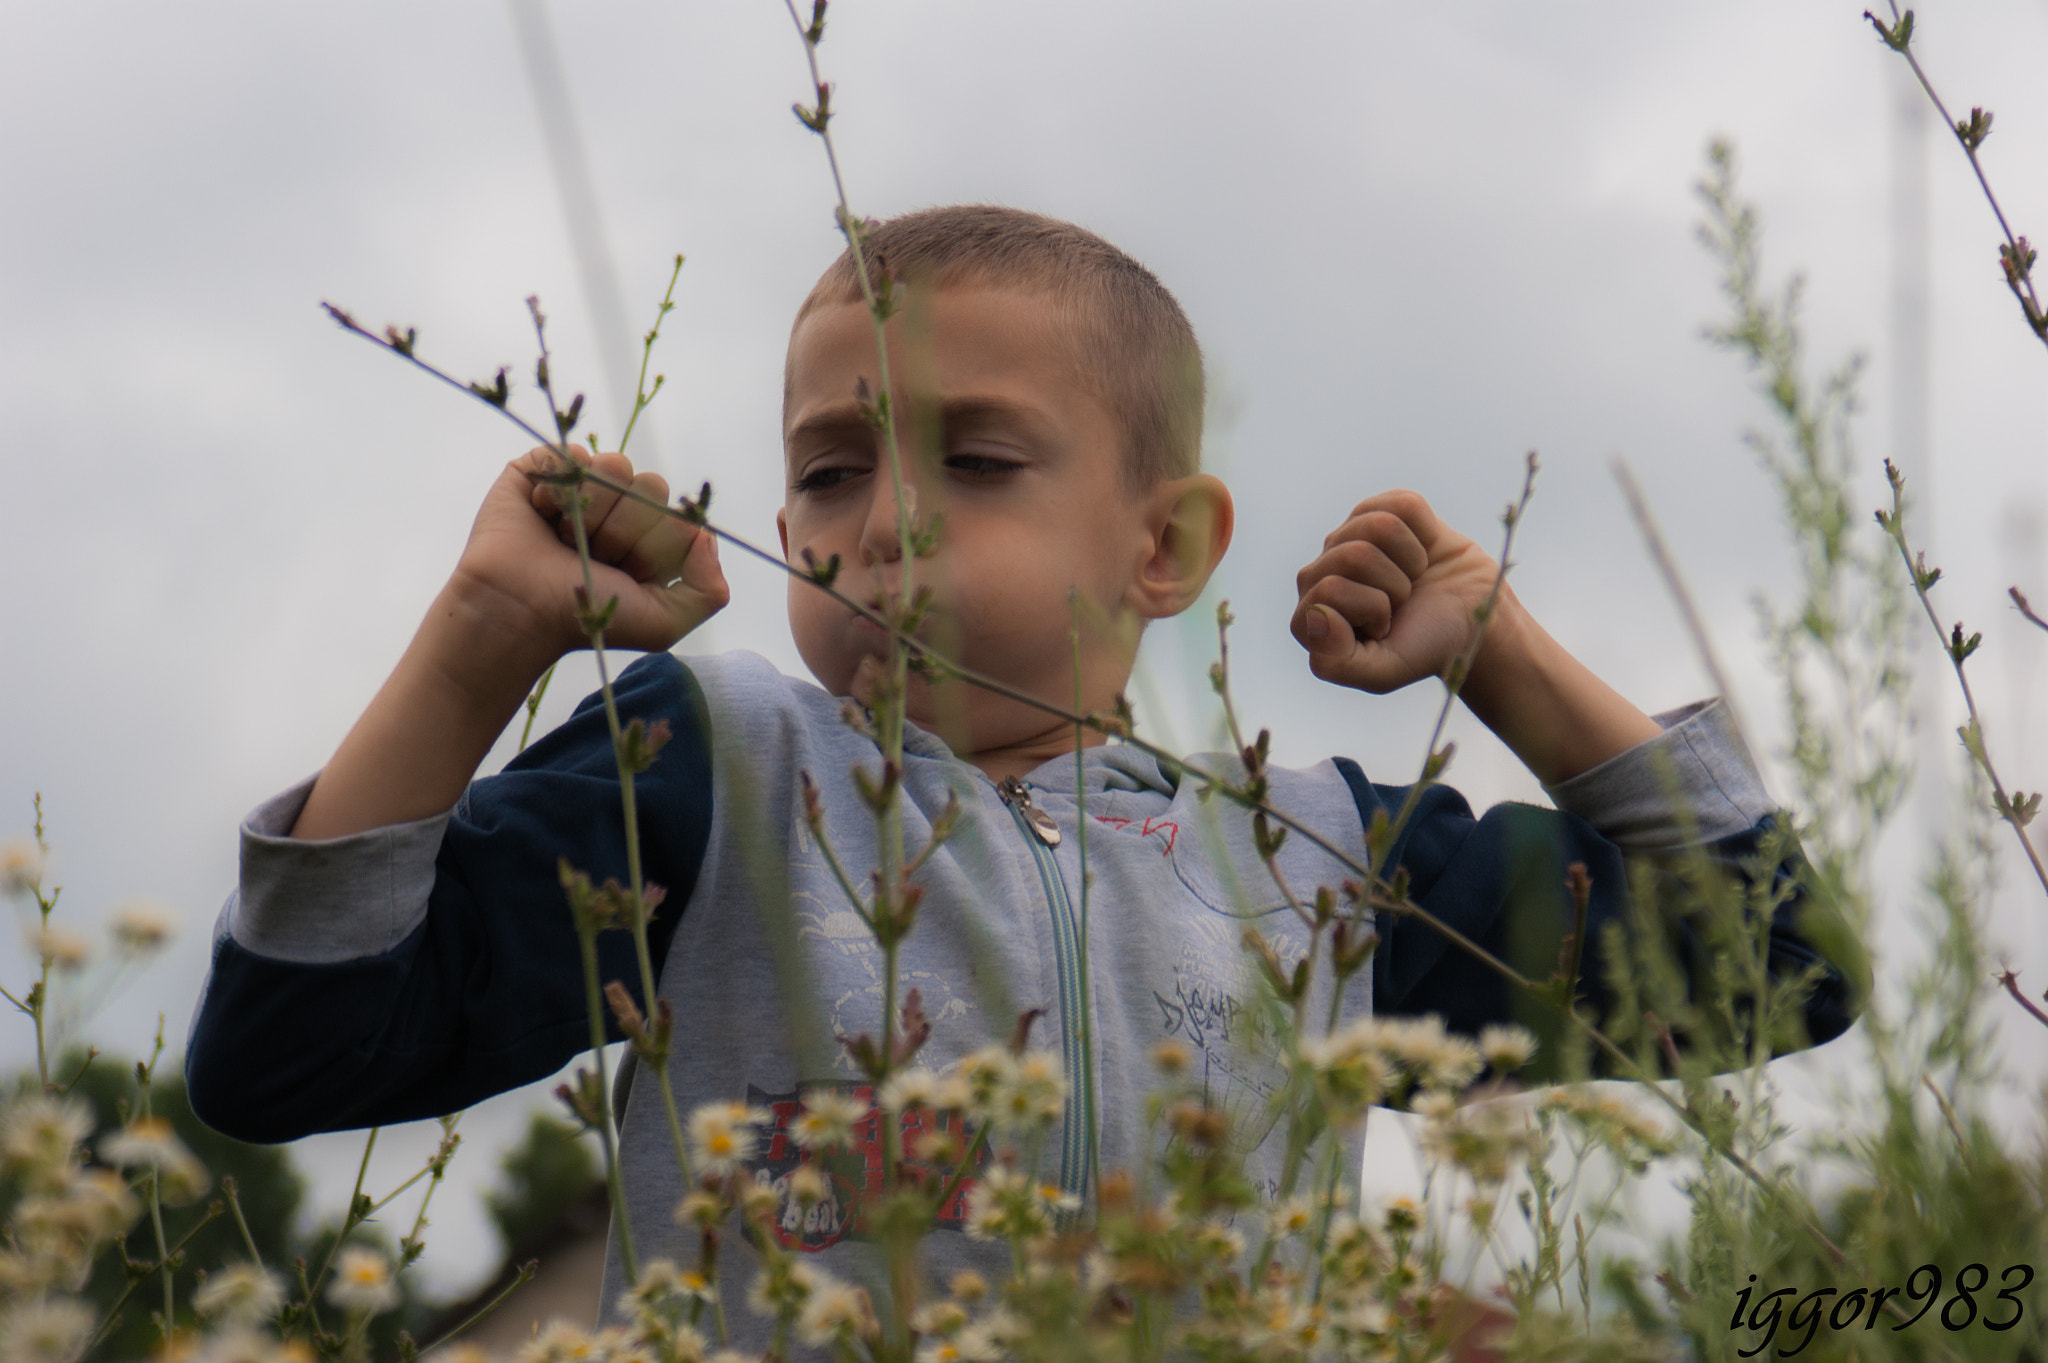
{"x": 541, "y": 57}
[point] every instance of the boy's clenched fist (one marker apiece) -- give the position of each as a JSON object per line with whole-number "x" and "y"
{"x": 520, "y": 566}
{"x": 1389, "y": 601}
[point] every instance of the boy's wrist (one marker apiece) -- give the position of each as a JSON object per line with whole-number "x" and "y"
{"x": 1548, "y": 707}
{"x": 486, "y": 643}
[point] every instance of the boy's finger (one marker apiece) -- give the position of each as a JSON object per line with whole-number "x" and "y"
{"x": 652, "y": 617}
{"x": 542, "y": 462}
{"x": 1389, "y": 530}
{"x": 663, "y": 549}
{"x": 1337, "y": 612}
{"x": 628, "y": 520}
{"x": 1361, "y": 562}
{"x": 598, "y": 500}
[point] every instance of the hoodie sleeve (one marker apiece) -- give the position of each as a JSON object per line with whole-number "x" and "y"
{"x": 1674, "y": 821}
{"x": 410, "y": 971}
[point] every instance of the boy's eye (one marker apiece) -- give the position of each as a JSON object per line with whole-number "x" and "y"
{"x": 981, "y": 467}
{"x": 974, "y": 468}
{"x": 826, "y": 479}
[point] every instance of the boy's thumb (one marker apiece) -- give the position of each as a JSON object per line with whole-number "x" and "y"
{"x": 1321, "y": 625}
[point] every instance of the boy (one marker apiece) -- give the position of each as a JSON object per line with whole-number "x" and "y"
{"x": 399, "y": 946}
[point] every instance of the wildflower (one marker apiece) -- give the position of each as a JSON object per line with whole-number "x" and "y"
{"x": 362, "y": 1282}
{"x": 1170, "y": 1058}
{"x": 1507, "y": 1048}
{"x": 987, "y": 1073}
{"x": 21, "y": 866}
{"x": 908, "y": 1089}
{"x": 661, "y": 1281}
{"x": 240, "y": 1294}
{"x": 616, "y": 1344}
{"x": 52, "y": 1328}
{"x": 559, "y": 1342}
{"x": 1486, "y": 1140}
{"x": 1402, "y": 1216}
{"x": 970, "y": 1345}
{"x": 1295, "y": 1216}
{"x": 827, "y": 1120}
{"x": 240, "y": 1344}
{"x": 150, "y": 1141}
{"x": 1435, "y": 1105}
{"x": 1631, "y": 1134}
{"x": 40, "y": 1136}
{"x": 1035, "y": 1092}
{"x": 1426, "y": 1051}
{"x": 1217, "y": 1242}
{"x": 783, "y": 1287}
{"x": 701, "y": 1209}
{"x": 759, "y": 1200}
{"x": 1361, "y": 1313}
{"x": 968, "y": 1286}
{"x": 1349, "y": 1072}
{"x": 939, "y": 1147}
{"x": 808, "y": 1185}
{"x": 938, "y": 1318}
{"x": 722, "y": 1135}
{"x": 61, "y": 948}
{"x": 682, "y": 1344}
{"x": 835, "y": 1311}
{"x": 1006, "y": 1204}
{"x": 142, "y": 926}
{"x": 94, "y": 1205}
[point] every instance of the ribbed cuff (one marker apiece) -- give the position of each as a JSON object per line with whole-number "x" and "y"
{"x": 330, "y": 899}
{"x": 1696, "y": 780}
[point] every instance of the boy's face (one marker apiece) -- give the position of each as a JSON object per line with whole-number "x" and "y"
{"x": 998, "y": 433}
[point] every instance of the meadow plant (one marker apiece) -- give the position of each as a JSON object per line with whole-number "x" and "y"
{"x": 1182, "y": 1257}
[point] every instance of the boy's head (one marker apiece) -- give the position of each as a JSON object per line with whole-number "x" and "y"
{"x": 1046, "y": 392}
{"x": 1124, "y": 335}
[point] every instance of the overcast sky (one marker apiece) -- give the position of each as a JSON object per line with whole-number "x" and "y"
{"x": 1416, "y": 241}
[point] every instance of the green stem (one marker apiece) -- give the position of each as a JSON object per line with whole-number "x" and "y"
{"x": 524, "y": 1276}
{"x": 113, "y": 1315}
{"x": 1973, "y": 733}
{"x": 533, "y": 704}
{"x": 349, "y": 1221}
{"x": 163, "y": 1253}
{"x": 594, "y": 1001}
{"x": 974, "y": 1147}
{"x": 231, "y": 1190}
{"x": 642, "y": 399}
{"x": 629, "y": 812}
{"x": 438, "y": 1166}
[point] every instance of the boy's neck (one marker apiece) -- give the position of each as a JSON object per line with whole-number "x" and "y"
{"x": 1021, "y": 758}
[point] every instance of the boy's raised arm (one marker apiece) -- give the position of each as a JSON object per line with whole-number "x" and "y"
{"x": 1390, "y": 601}
{"x": 506, "y": 613}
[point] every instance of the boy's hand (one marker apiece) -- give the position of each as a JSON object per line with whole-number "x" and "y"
{"x": 520, "y": 570}
{"x": 1390, "y": 599}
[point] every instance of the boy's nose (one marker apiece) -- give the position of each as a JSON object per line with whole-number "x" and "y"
{"x": 879, "y": 539}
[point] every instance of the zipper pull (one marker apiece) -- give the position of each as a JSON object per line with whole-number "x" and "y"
{"x": 1017, "y": 796}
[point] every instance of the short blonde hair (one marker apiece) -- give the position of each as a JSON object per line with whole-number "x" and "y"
{"x": 1132, "y": 344}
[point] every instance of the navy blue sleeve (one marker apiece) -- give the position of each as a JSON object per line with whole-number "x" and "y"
{"x": 487, "y": 993}
{"x": 1500, "y": 880}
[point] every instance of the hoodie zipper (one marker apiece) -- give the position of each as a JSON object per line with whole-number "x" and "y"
{"x": 1041, "y": 835}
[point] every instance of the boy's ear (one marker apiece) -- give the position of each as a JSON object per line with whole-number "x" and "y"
{"x": 1188, "y": 523}
{"x": 782, "y": 530}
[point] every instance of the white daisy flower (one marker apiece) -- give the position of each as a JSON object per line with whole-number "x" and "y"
{"x": 363, "y": 1282}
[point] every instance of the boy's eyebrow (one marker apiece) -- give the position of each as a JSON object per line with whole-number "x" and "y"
{"x": 843, "y": 419}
